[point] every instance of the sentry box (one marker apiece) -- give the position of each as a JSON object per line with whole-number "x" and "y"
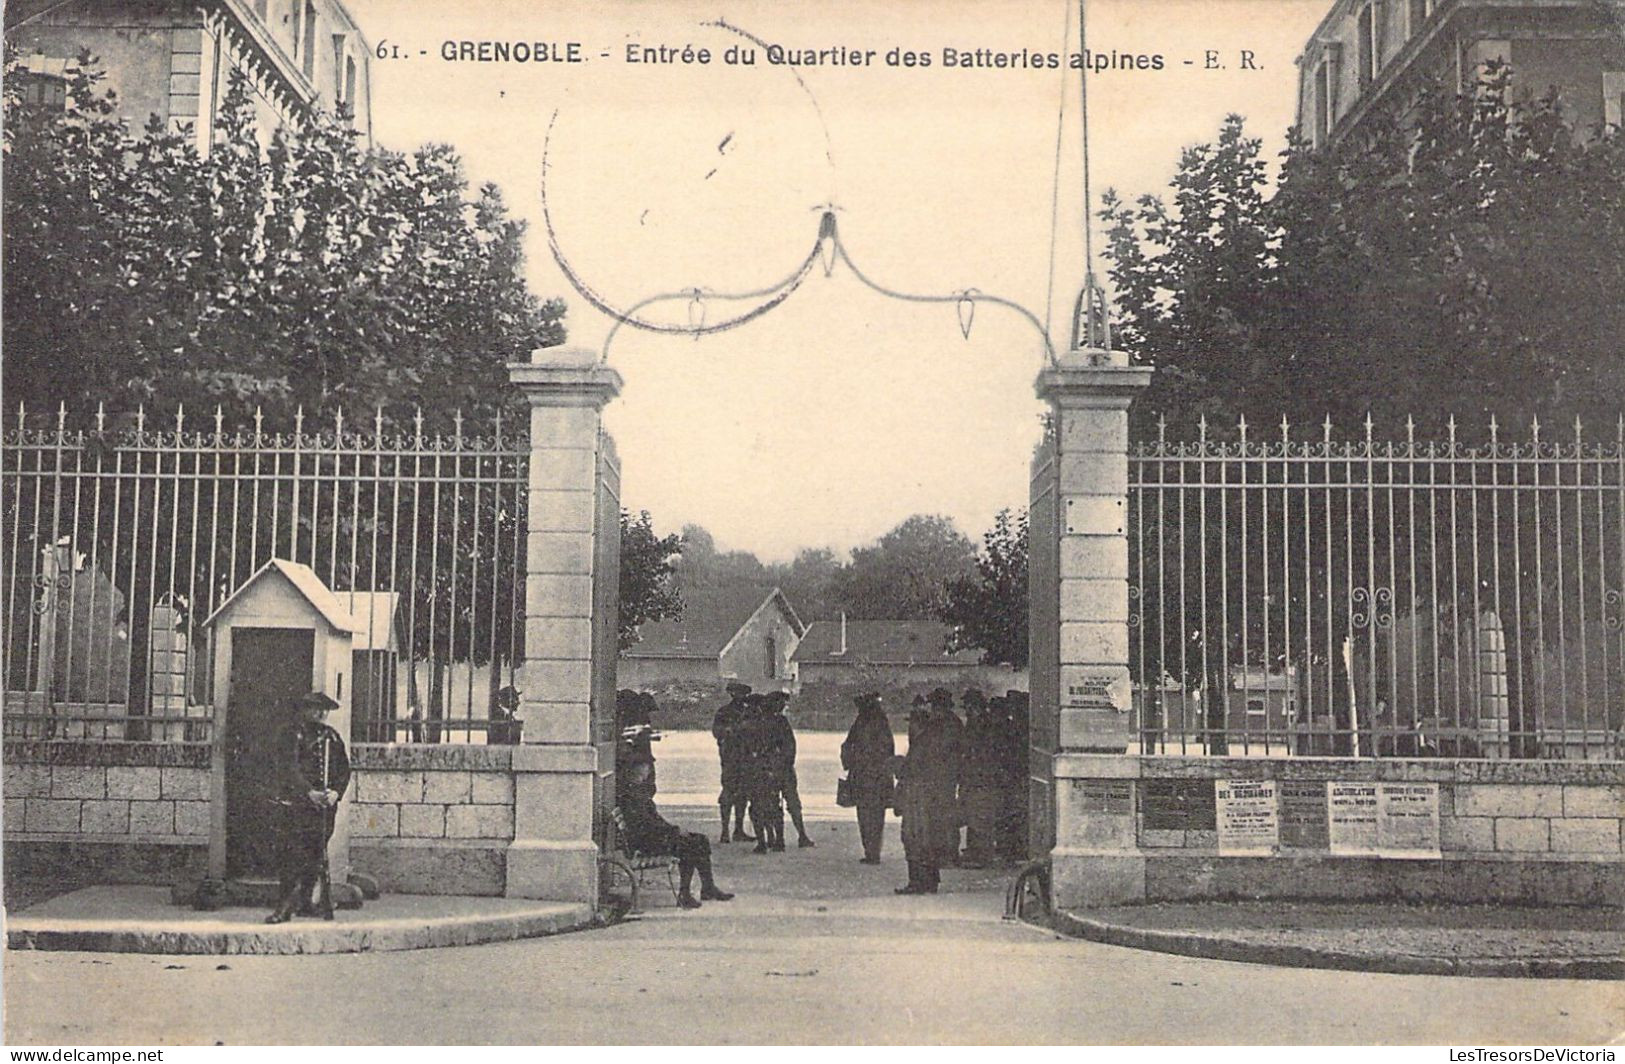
{"x": 280, "y": 635}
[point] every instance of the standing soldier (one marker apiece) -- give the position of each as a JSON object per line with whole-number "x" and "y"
{"x": 311, "y": 775}
{"x": 784, "y": 747}
{"x": 1014, "y": 740}
{"x": 945, "y": 775}
{"x": 981, "y": 778}
{"x": 761, "y": 759}
{"x": 725, "y": 729}
{"x": 867, "y": 757}
{"x": 915, "y": 804}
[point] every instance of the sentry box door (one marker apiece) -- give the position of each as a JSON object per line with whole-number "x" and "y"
{"x": 270, "y": 669}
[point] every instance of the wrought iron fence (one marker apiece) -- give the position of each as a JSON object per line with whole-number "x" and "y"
{"x": 122, "y": 537}
{"x": 1378, "y": 597}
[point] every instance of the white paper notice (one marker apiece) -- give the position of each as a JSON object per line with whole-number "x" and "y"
{"x": 1352, "y": 817}
{"x": 1408, "y": 819}
{"x": 1246, "y": 816}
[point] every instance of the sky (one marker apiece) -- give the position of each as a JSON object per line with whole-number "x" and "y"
{"x": 829, "y": 419}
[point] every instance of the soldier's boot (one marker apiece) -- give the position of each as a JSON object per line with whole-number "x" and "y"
{"x": 685, "y": 896}
{"x": 286, "y": 903}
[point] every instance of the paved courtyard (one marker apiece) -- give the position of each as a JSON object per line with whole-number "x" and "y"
{"x": 815, "y": 949}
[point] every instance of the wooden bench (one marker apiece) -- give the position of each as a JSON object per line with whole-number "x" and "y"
{"x": 642, "y": 864}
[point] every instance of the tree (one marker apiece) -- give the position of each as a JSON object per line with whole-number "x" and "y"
{"x": 988, "y": 609}
{"x": 704, "y": 566}
{"x": 807, "y": 580}
{"x": 648, "y": 565}
{"x": 1465, "y": 262}
{"x": 309, "y": 273}
{"x": 903, "y": 574}
{"x": 1189, "y": 279}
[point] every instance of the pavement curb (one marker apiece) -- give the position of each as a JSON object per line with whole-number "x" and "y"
{"x": 296, "y": 938}
{"x": 1220, "y": 947}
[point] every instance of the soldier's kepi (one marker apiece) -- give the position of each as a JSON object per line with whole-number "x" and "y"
{"x": 311, "y": 775}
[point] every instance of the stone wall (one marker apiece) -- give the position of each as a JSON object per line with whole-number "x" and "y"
{"x": 423, "y": 820}
{"x": 118, "y": 812}
{"x": 433, "y": 819}
{"x": 1135, "y": 828}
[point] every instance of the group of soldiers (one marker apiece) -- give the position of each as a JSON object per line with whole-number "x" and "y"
{"x": 757, "y": 748}
{"x": 962, "y": 774}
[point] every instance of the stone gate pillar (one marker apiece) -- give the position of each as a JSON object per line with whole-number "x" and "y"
{"x": 553, "y": 854}
{"x": 1089, "y": 393}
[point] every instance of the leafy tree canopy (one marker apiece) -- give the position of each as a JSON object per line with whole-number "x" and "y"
{"x": 308, "y": 272}
{"x": 648, "y": 565}
{"x": 988, "y": 608}
{"x": 902, "y": 575}
{"x": 1468, "y": 261}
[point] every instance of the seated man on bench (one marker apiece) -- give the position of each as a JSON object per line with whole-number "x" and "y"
{"x": 648, "y": 832}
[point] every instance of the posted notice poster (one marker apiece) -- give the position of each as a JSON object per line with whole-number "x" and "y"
{"x": 1303, "y": 814}
{"x": 1408, "y": 819}
{"x": 1112, "y": 797}
{"x": 1247, "y": 818}
{"x": 1177, "y": 805}
{"x": 1351, "y": 817}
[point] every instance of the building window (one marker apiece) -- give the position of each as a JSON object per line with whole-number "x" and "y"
{"x": 295, "y": 11}
{"x": 1419, "y": 12}
{"x": 1613, "y": 97}
{"x": 308, "y": 50}
{"x": 42, "y": 81}
{"x": 772, "y": 669}
{"x": 1323, "y": 103}
{"x": 349, "y": 81}
{"x": 44, "y": 90}
{"x": 1369, "y": 29}
{"x": 1255, "y": 707}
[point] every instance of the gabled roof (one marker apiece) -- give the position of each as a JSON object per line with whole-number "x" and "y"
{"x": 374, "y": 615}
{"x": 712, "y": 618}
{"x": 880, "y": 643}
{"x": 307, "y": 583}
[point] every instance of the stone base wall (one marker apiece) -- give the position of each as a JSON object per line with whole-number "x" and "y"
{"x": 423, "y": 819}
{"x": 1132, "y": 828}
{"x": 433, "y": 819}
{"x": 143, "y": 793}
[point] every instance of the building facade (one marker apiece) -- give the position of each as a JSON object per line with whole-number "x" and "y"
{"x": 174, "y": 59}
{"x": 893, "y": 656}
{"x": 1371, "y": 57}
{"x": 748, "y": 635}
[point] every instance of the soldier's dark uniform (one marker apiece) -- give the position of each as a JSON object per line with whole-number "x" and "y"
{"x": 785, "y": 747}
{"x": 1012, "y": 833}
{"x": 947, "y": 812}
{"x": 310, "y": 758}
{"x": 648, "y": 832}
{"x": 761, "y": 759}
{"x": 725, "y": 728}
{"x": 981, "y": 778}
{"x": 918, "y": 799}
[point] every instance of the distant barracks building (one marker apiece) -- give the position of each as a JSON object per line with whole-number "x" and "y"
{"x": 1373, "y": 56}
{"x": 174, "y": 59}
